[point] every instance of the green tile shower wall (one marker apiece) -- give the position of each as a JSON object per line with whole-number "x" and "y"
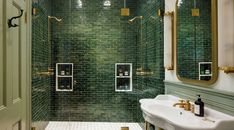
{"x": 194, "y": 37}
{"x": 94, "y": 39}
{"x": 40, "y": 84}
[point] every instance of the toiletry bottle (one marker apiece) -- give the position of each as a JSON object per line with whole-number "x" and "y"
{"x": 199, "y": 107}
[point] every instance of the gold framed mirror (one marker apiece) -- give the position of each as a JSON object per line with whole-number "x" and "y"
{"x": 196, "y": 41}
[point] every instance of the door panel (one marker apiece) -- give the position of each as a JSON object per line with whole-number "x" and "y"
{"x": 13, "y": 71}
{"x": 1, "y": 58}
{"x": 16, "y": 56}
{"x": 17, "y": 126}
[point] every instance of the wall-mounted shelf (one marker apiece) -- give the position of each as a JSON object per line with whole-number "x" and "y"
{"x": 123, "y": 77}
{"x": 205, "y": 72}
{"x": 64, "y": 77}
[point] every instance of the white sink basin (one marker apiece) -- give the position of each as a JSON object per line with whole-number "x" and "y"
{"x": 161, "y": 113}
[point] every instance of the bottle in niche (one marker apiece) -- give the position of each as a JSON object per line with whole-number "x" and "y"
{"x": 126, "y": 87}
{"x": 126, "y": 73}
{"x": 199, "y": 107}
{"x": 62, "y": 72}
{"x": 67, "y": 71}
{"x": 62, "y": 87}
{"x": 120, "y": 72}
{"x": 207, "y": 71}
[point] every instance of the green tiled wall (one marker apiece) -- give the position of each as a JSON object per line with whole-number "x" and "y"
{"x": 150, "y": 52}
{"x": 193, "y": 37}
{"x": 94, "y": 39}
{"x": 40, "y": 62}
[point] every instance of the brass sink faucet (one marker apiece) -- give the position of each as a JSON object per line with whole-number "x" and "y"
{"x": 186, "y": 105}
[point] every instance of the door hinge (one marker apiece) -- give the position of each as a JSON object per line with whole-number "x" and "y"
{"x": 25, "y": 17}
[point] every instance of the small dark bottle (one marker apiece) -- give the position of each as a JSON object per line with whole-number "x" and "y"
{"x": 199, "y": 107}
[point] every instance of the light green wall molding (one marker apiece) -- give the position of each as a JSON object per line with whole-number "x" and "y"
{"x": 215, "y": 99}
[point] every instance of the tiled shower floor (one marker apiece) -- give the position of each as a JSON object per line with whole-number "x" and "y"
{"x": 91, "y": 126}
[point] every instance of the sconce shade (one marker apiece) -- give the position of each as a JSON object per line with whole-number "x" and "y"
{"x": 226, "y": 36}
{"x": 169, "y": 41}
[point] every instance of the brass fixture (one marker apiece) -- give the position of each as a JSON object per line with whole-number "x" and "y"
{"x": 124, "y": 128}
{"x": 186, "y": 105}
{"x": 227, "y": 69}
{"x": 163, "y": 13}
{"x": 49, "y": 72}
{"x": 147, "y": 126}
{"x": 49, "y": 18}
{"x": 34, "y": 11}
{"x": 192, "y": 108}
{"x": 181, "y": 104}
{"x": 124, "y": 11}
{"x": 53, "y": 17}
{"x": 44, "y": 73}
{"x": 159, "y": 12}
{"x": 137, "y": 17}
{"x": 141, "y": 71}
{"x": 172, "y": 15}
{"x": 195, "y": 12}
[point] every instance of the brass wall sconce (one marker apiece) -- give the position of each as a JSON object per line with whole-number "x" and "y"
{"x": 169, "y": 47}
{"x": 163, "y": 13}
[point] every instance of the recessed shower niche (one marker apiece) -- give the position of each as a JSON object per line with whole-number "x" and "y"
{"x": 64, "y": 77}
{"x": 123, "y": 77}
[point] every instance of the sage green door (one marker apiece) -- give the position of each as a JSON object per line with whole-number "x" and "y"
{"x": 13, "y": 67}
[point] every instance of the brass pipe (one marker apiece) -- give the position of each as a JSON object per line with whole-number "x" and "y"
{"x": 146, "y": 125}
{"x": 49, "y": 36}
{"x": 227, "y": 69}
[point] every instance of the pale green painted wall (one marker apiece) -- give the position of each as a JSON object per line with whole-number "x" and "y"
{"x": 216, "y": 99}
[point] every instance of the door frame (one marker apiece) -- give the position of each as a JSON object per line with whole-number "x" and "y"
{"x": 29, "y": 63}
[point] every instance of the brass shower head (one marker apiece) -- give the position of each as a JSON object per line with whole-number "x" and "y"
{"x": 137, "y": 17}
{"x": 53, "y": 17}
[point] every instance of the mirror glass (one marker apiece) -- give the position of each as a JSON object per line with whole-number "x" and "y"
{"x": 196, "y": 40}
